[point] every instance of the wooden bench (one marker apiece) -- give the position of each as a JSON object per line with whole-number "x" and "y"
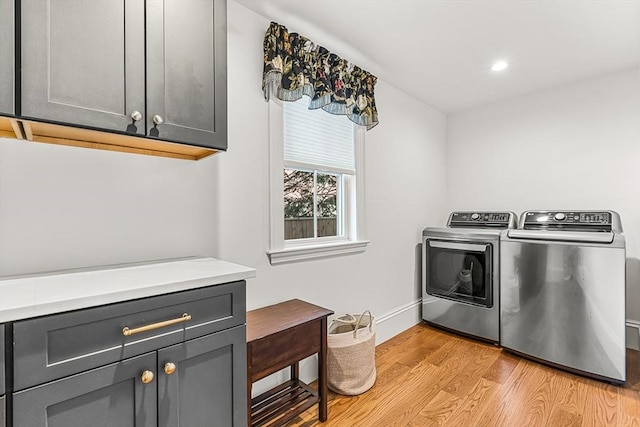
{"x": 280, "y": 336}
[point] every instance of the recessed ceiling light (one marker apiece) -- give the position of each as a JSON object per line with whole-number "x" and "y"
{"x": 499, "y": 66}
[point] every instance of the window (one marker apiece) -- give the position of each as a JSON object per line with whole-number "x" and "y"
{"x": 311, "y": 204}
{"x": 316, "y": 183}
{"x": 319, "y": 159}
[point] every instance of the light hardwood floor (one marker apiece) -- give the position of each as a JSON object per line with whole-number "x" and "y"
{"x": 428, "y": 377}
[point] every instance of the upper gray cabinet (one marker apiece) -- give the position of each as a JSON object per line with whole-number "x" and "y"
{"x": 83, "y": 62}
{"x": 97, "y": 64}
{"x": 187, "y": 72}
{"x": 7, "y": 67}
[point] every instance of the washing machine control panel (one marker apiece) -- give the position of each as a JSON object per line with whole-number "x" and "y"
{"x": 481, "y": 219}
{"x": 571, "y": 220}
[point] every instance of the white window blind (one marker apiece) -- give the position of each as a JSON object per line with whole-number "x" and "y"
{"x": 317, "y": 139}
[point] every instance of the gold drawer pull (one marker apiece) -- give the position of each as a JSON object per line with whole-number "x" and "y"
{"x": 128, "y": 332}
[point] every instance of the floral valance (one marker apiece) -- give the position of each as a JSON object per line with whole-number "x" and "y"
{"x": 296, "y": 66}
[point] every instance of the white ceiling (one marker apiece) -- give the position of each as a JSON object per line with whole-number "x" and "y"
{"x": 440, "y": 51}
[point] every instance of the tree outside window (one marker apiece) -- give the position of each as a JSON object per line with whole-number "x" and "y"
{"x": 310, "y": 204}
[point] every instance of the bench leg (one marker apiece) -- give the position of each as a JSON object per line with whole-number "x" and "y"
{"x": 322, "y": 371}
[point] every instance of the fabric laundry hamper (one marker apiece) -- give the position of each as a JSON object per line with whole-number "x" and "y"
{"x": 351, "y": 347}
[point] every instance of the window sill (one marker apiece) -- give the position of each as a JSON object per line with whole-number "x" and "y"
{"x": 304, "y": 253}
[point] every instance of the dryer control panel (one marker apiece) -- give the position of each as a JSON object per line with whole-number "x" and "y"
{"x": 482, "y": 220}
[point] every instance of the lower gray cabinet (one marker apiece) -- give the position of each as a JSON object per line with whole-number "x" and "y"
{"x": 113, "y": 395}
{"x": 198, "y": 384}
{"x": 53, "y": 347}
{"x": 166, "y": 361}
{"x": 2, "y": 398}
{"x": 1, "y": 360}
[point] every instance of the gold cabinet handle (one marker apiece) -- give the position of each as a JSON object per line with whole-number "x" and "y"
{"x": 169, "y": 368}
{"x": 128, "y": 332}
{"x": 147, "y": 377}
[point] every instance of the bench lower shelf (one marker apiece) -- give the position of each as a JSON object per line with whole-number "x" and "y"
{"x": 282, "y": 403}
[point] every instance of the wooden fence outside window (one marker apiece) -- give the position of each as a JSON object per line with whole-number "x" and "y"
{"x": 301, "y": 228}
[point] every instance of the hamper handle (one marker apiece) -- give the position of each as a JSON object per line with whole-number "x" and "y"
{"x": 360, "y": 319}
{"x": 351, "y": 321}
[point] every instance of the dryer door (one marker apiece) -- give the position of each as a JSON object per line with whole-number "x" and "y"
{"x": 460, "y": 271}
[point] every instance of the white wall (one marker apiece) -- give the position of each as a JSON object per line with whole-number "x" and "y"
{"x": 572, "y": 147}
{"x": 67, "y": 207}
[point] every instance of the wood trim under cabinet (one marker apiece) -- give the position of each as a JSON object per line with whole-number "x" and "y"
{"x": 86, "y": 138}
{"x": 10, "y": 128}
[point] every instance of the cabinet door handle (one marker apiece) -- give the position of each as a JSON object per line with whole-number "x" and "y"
{"x": 128, "y": 332}
{"x": 158, "y": 120}
{"x": 136, "y": 115}
{"x": 169, "y": 368}
{"x": 147, "y": 377}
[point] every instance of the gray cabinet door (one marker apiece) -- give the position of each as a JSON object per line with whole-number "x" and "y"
{"x": 113, "y": 395}
{"x": 186, "y": 71}
{"x": 7, "y": 34}
{"x": 2, "y": 412}
{"x": 208, "y": 387}
{"x": 83, "y": 62}
{"x": 1, "y": 359}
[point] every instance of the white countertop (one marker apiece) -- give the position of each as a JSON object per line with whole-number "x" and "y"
{"x": 22, "y": 297}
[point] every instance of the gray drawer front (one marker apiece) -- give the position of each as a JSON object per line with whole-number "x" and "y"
{"x": 2, "y": 412}
{"x": 1, "y": 359}
{"x": 53, "y": 347}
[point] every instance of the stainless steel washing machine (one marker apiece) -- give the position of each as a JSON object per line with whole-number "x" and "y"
{"x": 563, "y": 291}
{"x": 461, "y": 273}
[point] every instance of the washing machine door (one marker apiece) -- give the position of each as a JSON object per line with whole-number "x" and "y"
{"x": 460, "y": 271}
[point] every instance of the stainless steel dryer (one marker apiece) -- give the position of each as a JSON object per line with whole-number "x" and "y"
{"x": 563, "y": 291}
{"x": 461, "y": 273}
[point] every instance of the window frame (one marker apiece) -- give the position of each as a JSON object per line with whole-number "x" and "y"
{"x": 354, "y": 239}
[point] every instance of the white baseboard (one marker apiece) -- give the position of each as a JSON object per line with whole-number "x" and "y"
{"x": 633, "y": 334}
{"x": 398, "y": 320}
